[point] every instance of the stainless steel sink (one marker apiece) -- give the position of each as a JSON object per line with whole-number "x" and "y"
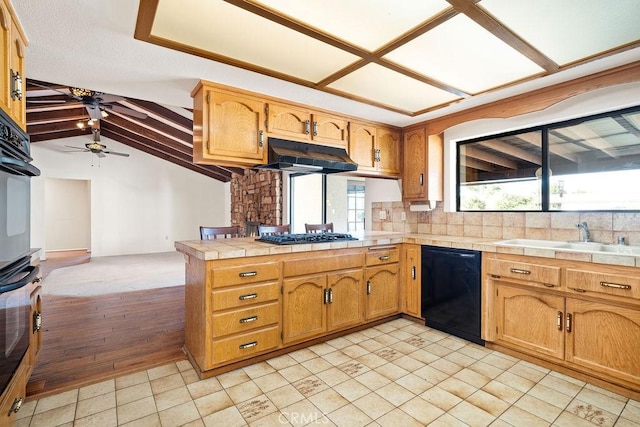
{"x": 591, "y": 247}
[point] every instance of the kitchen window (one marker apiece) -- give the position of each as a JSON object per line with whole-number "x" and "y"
{"x": 586, "y": 164}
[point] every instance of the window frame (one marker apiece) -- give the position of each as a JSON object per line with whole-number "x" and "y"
{"x": 545, "y": 187}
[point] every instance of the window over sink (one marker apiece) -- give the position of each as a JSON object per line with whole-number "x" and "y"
{"x": 585, "y": 164}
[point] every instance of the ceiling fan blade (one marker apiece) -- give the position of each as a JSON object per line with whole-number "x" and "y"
{"x": 94, "y": 111}
{"x": 100, "y": 154}
{"x": 77, "y": 148}
{"x": 116, "y": 153}
{"x": 105, "y": 97}
{"x": 124, "y": 110}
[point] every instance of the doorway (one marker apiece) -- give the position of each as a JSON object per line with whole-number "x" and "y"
{"x": 67, "y": 204}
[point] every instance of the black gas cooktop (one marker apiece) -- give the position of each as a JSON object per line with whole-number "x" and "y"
{"x": 295, "y": 239}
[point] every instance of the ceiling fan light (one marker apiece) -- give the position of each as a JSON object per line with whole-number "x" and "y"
{"x": 80, "y": 125}
{"x": 104, "y": 114}
{"x": 91, "y": 122}
{"x": 76, "y": 91}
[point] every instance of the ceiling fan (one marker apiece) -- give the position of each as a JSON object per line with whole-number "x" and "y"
{"x": 96, "y": 103}
{"x": 96, "y": 147}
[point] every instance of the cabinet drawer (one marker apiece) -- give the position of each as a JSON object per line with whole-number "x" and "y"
{"x": 242, "y": 296}
{"x": 604, "y": 283}
{"x": 245, "y": 345}
{"x": 249, "y": 273}
{"x": 382, "y": 256}
{"x": 245, "y": 319}
{"x": 524, "y": 271}
{"x": 298, "y": 267}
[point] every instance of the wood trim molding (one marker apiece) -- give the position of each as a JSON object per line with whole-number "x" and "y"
{"x": 539, "y": 99}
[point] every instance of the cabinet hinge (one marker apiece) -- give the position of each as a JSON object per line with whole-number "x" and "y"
{"x": 496, "y": 329}
{"x": 281, "y": 335}
{"x": 207, "y": 145}
{"x": 496, "y": 292}
{"x": 208, "y": 99}
{"x": 281, "y": 290}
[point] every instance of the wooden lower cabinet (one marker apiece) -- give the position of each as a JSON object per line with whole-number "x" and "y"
{"x": 315, "y": 305}
{"x": 604, "y": 338}
{"x": 382, "y": 284}
{"x": 575, "y": 319}
{"x": 530, "y": 320}
{"x": 412, "y": 284}
{"x": 14, "y": 397}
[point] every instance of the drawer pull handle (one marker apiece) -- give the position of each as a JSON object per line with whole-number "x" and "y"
{"x": 37, "y": 321}
{"x": 413, "y": 273}
{"x": 248, "y": 274}
{"x": 383, "y": 257}
{"x": 568, "y": 322}
{"x": 520, "y": 271}
{"x": 248, "y": 345}
{"x": 582, "y": 291}
{"x": 614, "y": 285}
{"x": 368, "y": 287}
{"x": 248, "y": 296}
{"x": 548, "y": 285}
{"x": 559, "y": 320}
{"x": 249, "y": 319}
{"x": 17, "y": 404}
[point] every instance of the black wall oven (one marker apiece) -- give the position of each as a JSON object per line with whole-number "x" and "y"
{"x": 16, "y": 271}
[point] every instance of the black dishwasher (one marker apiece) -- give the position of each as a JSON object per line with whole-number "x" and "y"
{"x": 451, "y": 291}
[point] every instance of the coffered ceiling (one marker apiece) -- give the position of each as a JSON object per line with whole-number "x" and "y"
{"x": 409, "y": 57}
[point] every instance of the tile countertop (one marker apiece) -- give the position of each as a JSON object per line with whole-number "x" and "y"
{"x": 248, "y": 247}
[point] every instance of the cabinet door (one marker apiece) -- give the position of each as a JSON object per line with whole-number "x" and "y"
{"x": 235, "y": 129}
{"x": 531, "y": 321}
{"x": 304, "y": 308}
{"x": 388, "y": 144}
{"x": 412, "y": 285}
{"x": 346, "y": 301}
{"x": 18, "y": 110}
{"x": 329, "y": 130}
{"x": 288, "y": 121}
{"x": 35, "y": 341}
{"x": 604, "y": 339}
{"x": 362, "y": 145}
{"x": 382, "y": 290}
{"x": 415, "y": 165}
{"x": 13, "y": 397}
{"x": 5, "y": 58}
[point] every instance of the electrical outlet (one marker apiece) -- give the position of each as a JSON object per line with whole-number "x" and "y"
{"x": 383, "y": 214}
{"x": 403, "y": 216}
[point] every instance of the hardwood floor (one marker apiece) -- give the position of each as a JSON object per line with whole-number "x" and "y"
{"x": 89, "y": 339}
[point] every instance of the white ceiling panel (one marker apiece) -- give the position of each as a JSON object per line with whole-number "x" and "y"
{"x": 369, "y": 24}
{"x": 393, "y": 89}
{"x": 462, "y": 54}
{"x": 223, "y": 29}
{"x": 570, "y": 30}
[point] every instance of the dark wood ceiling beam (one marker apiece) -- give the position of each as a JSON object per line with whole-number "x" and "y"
{"x": 52, "y": 127}
{"x": 58, "y": 135}
{"x": 145, "y": 132}
{"x": 150, "y": 147}
{"x": 41, "y": 117}
{"x": 157, "y": 126}
{"x": 491, "y": 24}
{"x": 164, "y": 112}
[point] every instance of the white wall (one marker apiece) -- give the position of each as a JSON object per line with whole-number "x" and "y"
{"x": 593, "y": 102}
{"x": 67, "y": 214}
{"x": 139, "y": 204}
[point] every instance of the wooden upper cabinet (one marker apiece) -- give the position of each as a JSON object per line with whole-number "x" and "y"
{"x": 228, "y": 127}
{"x": 12, "y": 59}
{"x": 289, "y": 121}
{"x": 422, "y": 174}
{"x": 375, "y": 149}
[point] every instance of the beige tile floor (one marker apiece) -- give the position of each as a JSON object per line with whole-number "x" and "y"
{"x": 396, "y": 374}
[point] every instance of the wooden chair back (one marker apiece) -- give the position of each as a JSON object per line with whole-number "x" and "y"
{"x": 265, "y": 230}
{"x": 208, "y": 233}
{"x": 319, "y": 228}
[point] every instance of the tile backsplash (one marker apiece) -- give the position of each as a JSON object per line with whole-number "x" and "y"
{"x": 605, "y": 227}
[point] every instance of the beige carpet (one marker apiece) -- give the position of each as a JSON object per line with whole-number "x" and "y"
{"x": 113, "y": 274}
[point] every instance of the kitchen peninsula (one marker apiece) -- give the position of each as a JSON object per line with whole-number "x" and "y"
{"x": 247, "y": 301}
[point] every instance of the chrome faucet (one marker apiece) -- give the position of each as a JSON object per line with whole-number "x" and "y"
{"x": 585, "y": 236}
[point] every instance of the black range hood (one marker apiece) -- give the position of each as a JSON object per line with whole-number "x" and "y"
{"x": 302, "y": 157}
